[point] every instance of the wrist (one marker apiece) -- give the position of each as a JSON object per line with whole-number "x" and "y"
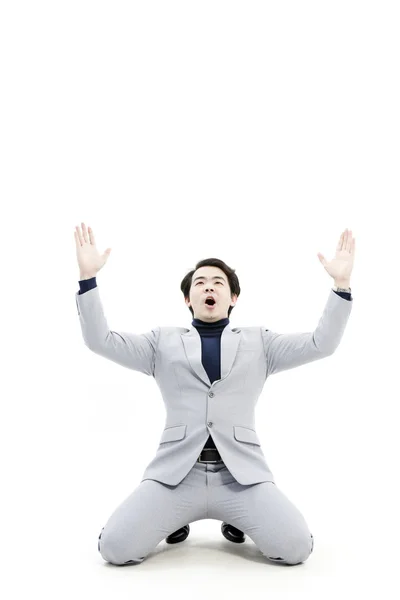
{"x": 343, "y": 283}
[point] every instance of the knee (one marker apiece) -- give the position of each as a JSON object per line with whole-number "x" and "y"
{"x": 295, "y": 552}
{"x": 112, "y": 552}
{"x": 303, "y": 550}
{"x": 300, "y": 550}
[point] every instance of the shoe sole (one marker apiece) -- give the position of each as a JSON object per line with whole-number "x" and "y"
{"x": 179, "y": 538}
{"x": 232, "y": 537}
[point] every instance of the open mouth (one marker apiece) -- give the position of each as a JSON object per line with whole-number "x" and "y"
{"x": 210, "y": 303}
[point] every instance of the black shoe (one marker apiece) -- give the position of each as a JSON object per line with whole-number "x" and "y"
{"x": 178, "y": 536}
{"x": 232, "y": 533}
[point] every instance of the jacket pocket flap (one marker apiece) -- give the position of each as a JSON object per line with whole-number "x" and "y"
{"x": 170, "y": 434}
{"x": 244, "y": 434}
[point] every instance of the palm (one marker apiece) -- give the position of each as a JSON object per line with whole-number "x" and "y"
{"x": 341, "y": 266}
{"x": 89, "y": 258}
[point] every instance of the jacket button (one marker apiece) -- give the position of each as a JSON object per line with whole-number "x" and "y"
{"x": 211, "y": 394}
{"x": 209, "y": 423}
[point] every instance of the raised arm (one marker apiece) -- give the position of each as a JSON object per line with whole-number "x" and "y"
{"x": 131, "y": 350}
{"x": 288, "y": 350}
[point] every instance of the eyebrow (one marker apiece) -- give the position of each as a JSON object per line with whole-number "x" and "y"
{"x": 216, "y": 277}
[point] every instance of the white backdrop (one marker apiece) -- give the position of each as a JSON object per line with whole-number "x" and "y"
{"x": 252, "y": 132}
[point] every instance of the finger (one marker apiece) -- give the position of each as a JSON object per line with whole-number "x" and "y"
{"x": 340, "y": 243}
{"x": 85, "y": 235}
{"x": 79, "y": 235}
{"x": 91, "y": 236}
{"x": 77, "y": 242}
{"x": 345, "y": 239}
{"x": 349, "y": 240}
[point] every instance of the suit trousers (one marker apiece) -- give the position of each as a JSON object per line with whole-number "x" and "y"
{"x": 154, "y": 510}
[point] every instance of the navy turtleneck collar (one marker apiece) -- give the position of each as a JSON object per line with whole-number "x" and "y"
{"x": 214, "y": 327}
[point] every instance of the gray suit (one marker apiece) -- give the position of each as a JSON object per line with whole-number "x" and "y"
{"x": 196, "y": 408}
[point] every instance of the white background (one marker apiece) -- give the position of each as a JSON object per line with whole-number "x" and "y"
{"x": 254, "y": 132}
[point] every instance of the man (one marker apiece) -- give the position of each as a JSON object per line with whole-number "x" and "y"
{"x": 210, "y": 377}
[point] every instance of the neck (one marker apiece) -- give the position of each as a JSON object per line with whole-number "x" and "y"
{"x": 222, "y": 321}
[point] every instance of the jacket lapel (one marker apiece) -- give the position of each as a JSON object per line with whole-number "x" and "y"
{"x": 229, "y": 344}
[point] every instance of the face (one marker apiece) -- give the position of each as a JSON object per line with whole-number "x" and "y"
{"x": 210, "y": 281}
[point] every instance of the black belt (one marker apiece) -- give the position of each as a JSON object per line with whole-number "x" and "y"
{"x": 209, "y": 455}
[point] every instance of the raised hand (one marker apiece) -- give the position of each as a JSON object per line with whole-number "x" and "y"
{"x": 341, "y": 266}
{"x": 89, "y": 259}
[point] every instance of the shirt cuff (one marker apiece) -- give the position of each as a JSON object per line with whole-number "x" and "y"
{"x": 345, "y": 295}
{"x": 87, "y": 284}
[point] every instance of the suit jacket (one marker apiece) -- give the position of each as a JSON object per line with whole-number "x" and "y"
{"x": 196, "y": 408}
